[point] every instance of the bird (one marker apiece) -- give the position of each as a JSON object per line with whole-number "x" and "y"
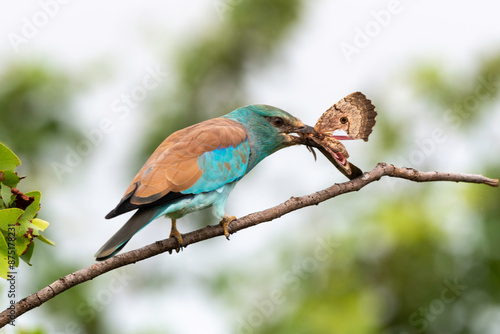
{"x": 197, "y": 167}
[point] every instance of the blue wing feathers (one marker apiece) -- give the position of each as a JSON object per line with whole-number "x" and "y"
{"x": 221, "y": 166}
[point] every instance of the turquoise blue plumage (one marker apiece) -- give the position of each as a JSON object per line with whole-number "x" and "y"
{"x": 197, "y": 167}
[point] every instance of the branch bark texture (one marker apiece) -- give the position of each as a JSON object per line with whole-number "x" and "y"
{"x": 294, "y": 203}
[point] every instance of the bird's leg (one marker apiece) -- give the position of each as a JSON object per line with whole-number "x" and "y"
{"x": 226, "y": 220}
{"x": 176, "y": 234}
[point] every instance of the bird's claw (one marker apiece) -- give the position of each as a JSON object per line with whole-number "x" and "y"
{"x": 174, "y": 233}
{"x": 226, "y": 220}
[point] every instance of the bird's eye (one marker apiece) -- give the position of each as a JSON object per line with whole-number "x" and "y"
{"x": 343, "y": 120}
{"x": 277, "y": 121}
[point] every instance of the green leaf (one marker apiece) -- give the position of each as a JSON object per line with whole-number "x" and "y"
{"x": 40, "y": 223}
{"x": 8, "y": 160}
{"x": 5, "y": 242}
{"x": 26, "y": 257}
{"x": 33, "y": 208}
{"x": 4, "y": 258}
{"x": 6, "y": 194}
{"x": 24, "y": 227}
{"x": 22, "y": 244}
{"x": 47, "y": 241}
{"x": 9, "y": 178}
{"x": 9, "y": 217}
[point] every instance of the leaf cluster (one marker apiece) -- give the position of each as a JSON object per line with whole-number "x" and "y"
{"x": 19, "y": 225}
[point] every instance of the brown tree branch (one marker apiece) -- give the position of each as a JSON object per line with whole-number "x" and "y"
{"x": 294, "y": 203}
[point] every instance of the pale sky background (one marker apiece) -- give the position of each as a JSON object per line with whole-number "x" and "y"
{"x": 311, "y": 73}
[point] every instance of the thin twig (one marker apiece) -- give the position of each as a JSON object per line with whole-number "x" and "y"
{"x": 253, "y": 219}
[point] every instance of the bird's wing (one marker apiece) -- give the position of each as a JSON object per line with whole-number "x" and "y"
{"x": 221, "y": 166}
{"x": 199, "y": 158}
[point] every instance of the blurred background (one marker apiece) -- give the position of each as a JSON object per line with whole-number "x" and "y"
{"x": 89, "y": 89}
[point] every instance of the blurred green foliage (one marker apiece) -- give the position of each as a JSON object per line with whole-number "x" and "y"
{"x": 30, "y": 331}
{"x": 35, "y": 114}
{"x": 464, "y": 96}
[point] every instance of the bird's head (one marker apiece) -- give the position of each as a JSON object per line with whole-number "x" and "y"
{"x": 269, "y": 129}
{"x": 274, "y": 127}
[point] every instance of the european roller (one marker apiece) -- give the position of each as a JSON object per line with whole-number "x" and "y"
{"x": 197, "y": 167}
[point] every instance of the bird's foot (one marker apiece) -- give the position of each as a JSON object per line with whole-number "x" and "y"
{"x": 174, "y": 233}
{"x": 226, "y": 220}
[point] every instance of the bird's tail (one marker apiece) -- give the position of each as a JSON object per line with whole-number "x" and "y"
{"x": 138, "y": 221}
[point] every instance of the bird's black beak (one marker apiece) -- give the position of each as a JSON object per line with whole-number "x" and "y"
{"x": 302, "y": 131}
{"x": 306, "y": 129}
